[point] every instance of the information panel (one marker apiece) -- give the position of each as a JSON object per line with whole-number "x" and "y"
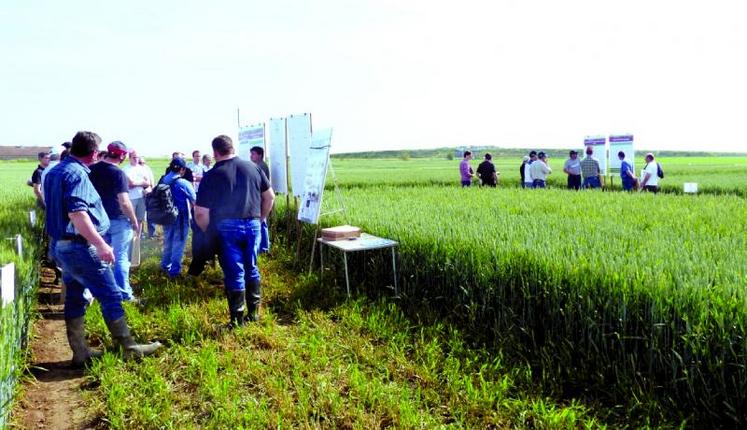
{"x": 316, "y": 172}
{"x": 299, "y": 142}
{"x": 624, "y": 143}
{"x": 599, "y": 144}
{"x": 250, "y": 136}
{"x": 278, "y": 155}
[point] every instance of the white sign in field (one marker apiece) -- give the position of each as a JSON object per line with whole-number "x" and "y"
{"x": 250, "y": 136}
{"x": 624, "y": 143}
{"x": 599, "y": 145}
{"x": 8, "y": 283}
{"x": 316, "y": 173}
{"x": 278, "y": 155}
{"x": 299, "y": 144}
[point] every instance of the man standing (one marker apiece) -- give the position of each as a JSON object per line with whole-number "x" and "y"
{"x": 572, "y": 168}
{"x": 650, "y": 180}
{"x": 198, "y": 169}
{"x": 75, "y": 221}
{"x": 175, "y": 234}
{"x": 257, "y": 155}
{"x": 487, "y": 173}
{"x": 112, "y": 185}
{"x": 539, "y": 170}
{"x": 590, "y": 170}
{"x": 465, "y": 170}
{"x": 235, "y": 198}
{"x": 528, "y": 180}
{"x": 139, "y": 179}
{"x": 626, "y": 173}
{"x": 43, "y": 158}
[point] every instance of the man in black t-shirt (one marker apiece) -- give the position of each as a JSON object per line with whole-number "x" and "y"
{"x": 487, "y": 173}
{"x": 234, "y": 198}
{"x": 257, "y": 155}
{"x": 36, "y": 177}
{"x": 112, "y": 185}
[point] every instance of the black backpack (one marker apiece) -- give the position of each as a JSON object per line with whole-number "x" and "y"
{"x": 160, "y": 204}
{"x": 659, "y": 171}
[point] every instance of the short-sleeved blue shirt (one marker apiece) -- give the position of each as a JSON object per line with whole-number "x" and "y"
{"x": 68, "y": 189}
{"x": 625, "y": 167}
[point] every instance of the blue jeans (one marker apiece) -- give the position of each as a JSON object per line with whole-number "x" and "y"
{"x": 466, "y": 183}
{"x": 240, "y": 240}
{"x": 119, "y": 236}
{"x": 174, "y": 241}
{"x": 83, "y": 269}
{"x": 538, "y": 183}
{"x": 591, "y": 182}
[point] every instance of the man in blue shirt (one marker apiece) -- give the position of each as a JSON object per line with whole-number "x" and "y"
{"x": 76, "y": 221}
{"x": 175, "y": 235}
{"x": 626, "y": 173}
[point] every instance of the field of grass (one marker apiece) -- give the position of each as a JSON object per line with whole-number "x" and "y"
{"x": 715, "y": 175}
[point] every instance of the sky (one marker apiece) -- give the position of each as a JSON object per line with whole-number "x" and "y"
{"x": 163, "y": 76}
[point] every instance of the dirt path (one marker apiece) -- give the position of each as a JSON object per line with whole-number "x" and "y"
{"x": 52, "y": 397}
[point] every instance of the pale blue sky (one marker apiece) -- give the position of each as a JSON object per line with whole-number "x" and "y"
{"x": 168, "y": 75}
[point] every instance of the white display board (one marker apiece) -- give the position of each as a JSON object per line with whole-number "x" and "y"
{"x": 599, "y": 144}
{"x": 8, "y": 283}
{"x": 316, "y": 173}
{"x": 250, "y": 136}
{"x": 299, "y": 144}
{"x": 278, "y": 155}
{"x": 624, "y": 143}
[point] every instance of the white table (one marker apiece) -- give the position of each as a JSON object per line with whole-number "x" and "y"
{"x": 365, "y": 242}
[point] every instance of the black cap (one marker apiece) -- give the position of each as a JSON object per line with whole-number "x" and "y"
{"x": 67, "y": 145}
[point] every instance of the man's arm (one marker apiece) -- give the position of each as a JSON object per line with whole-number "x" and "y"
{"x": 84, "y": 226}
{"x": 126, "y": 205}
{"x": 37, "y": 191}
{"x": 268, "y": 198}
{"x": 202, "y": 217}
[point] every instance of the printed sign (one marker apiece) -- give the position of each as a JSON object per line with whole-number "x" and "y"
{"x": 278, "y": 155}
{"x": 250, "y": 136}
{"x": 316, "y": 173}
{"x": 299, "y": 142}
{"x": 599, "y": 144}
{"x": 624, "y": 143}
{"x": 8, "y": 283}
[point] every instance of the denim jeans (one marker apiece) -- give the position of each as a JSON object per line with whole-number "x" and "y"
{"x": 538, "y": 183}
{"x": 83, "y": 269}
{"x": 174, "y": 241}
{"x": 592, "y": 182}
{"x": 466, "y": 183}
{"x": 238, "y": 251}
{"x": 119, "y": 237}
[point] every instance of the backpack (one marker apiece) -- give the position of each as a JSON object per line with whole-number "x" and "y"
{"x": 659, "y": 171}
{"x": 160, "y": 205}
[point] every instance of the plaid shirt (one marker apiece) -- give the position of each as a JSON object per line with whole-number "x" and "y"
{"x": 589, "y": 167}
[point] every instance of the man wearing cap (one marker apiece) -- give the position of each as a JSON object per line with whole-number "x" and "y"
{"x": 139, "y": 179}
{"x": 75, "y": 221}
{"x": 235, "y": 198}
{"x": 590, "y": 170}
{"x": 572, "y": 168}
{"x": 112, "y": 185}
{"x": 539, "y": 170}
{"x": 175, "y": 234}
{"x": 35, "y": 182}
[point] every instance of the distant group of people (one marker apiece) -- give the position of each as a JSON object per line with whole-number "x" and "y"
{"x": 94, "y": 209}
{"x": 583, "y": 173}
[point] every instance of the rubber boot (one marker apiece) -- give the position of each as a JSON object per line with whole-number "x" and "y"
{"x": 253, "y": 295}
{"x": 235, "y": 308}
{"x": 76, "y": 337}
{"x": 121, "y": 334}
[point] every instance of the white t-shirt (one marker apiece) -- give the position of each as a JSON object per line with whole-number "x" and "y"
{"x": 652, "y": 169}
{"x": 137, "y": 174}
{"x": 528, "y": 173}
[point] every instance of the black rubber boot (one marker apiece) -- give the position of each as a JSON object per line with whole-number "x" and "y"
{"x": 121, "y": 334}
{"x": 76, "y": 337}
{"x": 253, "y": 296}
{"x": 235, "y": 308}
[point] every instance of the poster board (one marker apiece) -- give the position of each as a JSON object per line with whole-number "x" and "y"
{"x": 250, "y": 136}
{"x": 599, "y": 144}
{"x": 8, "y": 283}
{"x": 299, "y": 144}
{"x": 316, "y": 173}
{"x": 278, "y": 155}
{"x": 624, "y": 143}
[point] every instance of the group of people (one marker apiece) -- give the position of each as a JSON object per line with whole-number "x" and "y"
{"x": 94, "y": 209}
{"x": 583, "y": 173}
